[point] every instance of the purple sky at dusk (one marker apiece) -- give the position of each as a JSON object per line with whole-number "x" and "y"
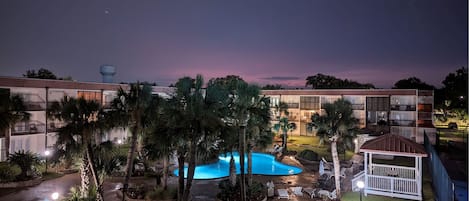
{"x": 263, "y": 41}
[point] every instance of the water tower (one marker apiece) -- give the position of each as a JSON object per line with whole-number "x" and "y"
{"x": 108, "y": 72}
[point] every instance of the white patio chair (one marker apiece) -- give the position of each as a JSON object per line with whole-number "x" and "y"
{"x": 297, "y": 190}
{"x": 283, "y": 193}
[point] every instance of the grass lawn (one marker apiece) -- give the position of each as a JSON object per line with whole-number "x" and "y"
{"x": 300, "y": 143}
{"x": 355, "y": 196}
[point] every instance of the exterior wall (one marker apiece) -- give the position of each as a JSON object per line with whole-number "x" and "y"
{"x": 32, "y": 135}
{"x": 406, "y": 112}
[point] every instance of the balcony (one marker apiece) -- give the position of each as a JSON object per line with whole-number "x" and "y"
{"x": 403, "y": 107}
{"x": 425, "y": 123}
{"x": 29, "y": 127}
{"x": 293, "y": 105}
{"x": 358, "y": 106}
{"x": 55, "y": 126}
{"x": 410, "y": 123}
{"x": 425, "y": 116}
{"x": 35, "y": 105}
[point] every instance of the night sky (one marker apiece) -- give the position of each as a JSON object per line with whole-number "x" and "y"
{"x": 263, "y": 41}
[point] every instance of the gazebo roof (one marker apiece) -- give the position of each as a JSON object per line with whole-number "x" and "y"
{"x": 392, "y": 144}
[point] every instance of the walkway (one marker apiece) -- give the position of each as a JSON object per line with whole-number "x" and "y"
{"x": 202, "y": 189}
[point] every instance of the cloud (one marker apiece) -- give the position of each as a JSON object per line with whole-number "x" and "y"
{"x": 281, "y": 78}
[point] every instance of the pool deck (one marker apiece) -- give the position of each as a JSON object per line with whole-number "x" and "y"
{"x": 207, "y": 189}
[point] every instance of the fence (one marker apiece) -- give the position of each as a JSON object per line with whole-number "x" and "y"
{"x": 441, "y": 182}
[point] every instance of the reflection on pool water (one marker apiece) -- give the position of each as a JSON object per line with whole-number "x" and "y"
{"x": 262, "y": 164}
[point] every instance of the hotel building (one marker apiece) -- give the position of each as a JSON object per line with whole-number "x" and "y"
{"x": 39, "y": 132}
{"x": 407, "y": 112}
{"x": 404, "y": 112}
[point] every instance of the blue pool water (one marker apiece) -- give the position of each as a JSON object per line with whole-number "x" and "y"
{"x": 262, "y": 164}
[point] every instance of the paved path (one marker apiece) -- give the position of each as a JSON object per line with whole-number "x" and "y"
{"x": 201, "y": 190}
{"x": 43, "y": 191}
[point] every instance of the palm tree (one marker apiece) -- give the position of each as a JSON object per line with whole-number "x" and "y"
{"x": 242, "y": 106}
{"x": 258, "y": 129}
{"x": 282, "y": 126}
{"x": 336, "y": 125}
{"x": 194, "y": 118}
{"x": 82, "y": 123}
{"x": 129, "y": 110}
{"x": 160, "y": 141}
{"x": 12, "y": 111}
{"x": 24, "y": 160}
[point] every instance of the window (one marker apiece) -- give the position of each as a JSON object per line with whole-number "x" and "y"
{"x": 377, "y": 103}
{"x": 90, "y": 95}
{"x": 309, "y": 102}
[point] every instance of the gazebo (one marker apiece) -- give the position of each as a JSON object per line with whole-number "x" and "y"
{"x": 392, "y": 180}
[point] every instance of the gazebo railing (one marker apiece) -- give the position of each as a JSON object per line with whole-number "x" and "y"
{"x": 393, "y": 171}
{"x": 392, "y": 184}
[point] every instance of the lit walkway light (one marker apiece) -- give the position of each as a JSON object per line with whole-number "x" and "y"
{"x": 46, "y": 153}
{"x": 360, "y": 185}
{"x": 55, "y": 196}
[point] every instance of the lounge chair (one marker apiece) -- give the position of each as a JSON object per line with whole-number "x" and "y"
{"x": 311, "y": 192}
{"x": 297, "y": 190}
{"x": 283, "y": 193}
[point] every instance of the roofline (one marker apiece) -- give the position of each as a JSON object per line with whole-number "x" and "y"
{"x": 393, "y": 153}
{"x": 59, "y": 84}
{"x": 339, "y": 92}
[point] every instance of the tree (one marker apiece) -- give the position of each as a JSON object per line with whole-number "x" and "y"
{"x": 129, "y": 109}
{"x": 12, "y": 111}
{"x": 82, "y": 120}
{"x": 258, "y": 132}
{"x": 195, "y": 119}
{"x": 321, "y": 81}
{"x": 336, "y": 125}
{"x": 456, "y": 88}
{"x": 272, "y": 87}
{"x": 412, "y": 83}
{"x": 281, "y": 116}
{"x": 160, "y": 141}
{"x": 24, "y": 160}
{"x": 42, "y": 73}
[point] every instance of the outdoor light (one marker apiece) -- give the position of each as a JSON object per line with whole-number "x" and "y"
{"x": 360, "y": 185}
{"x": 119, "y": 141}
{"x": 55, "y": 196}
{"x": 46, "y": 153}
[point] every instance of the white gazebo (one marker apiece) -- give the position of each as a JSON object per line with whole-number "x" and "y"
{"x": 392, "y": 180}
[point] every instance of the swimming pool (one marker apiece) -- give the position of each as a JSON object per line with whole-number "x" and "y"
{"x": 262, "y": 164}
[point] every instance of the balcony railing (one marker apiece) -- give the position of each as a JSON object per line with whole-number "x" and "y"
{"x": 403, "y": 123}
{"x": 425, "y": 116}
{"x": 35, "y": 105}
{"x": 54, "y": 126}
{"x": 29, "y": 127}
{"x": 403, "y": 107}
{"x": 358, "y": 106}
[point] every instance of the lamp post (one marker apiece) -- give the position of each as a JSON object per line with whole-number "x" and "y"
{"x": 46, "y": 153}
{"x": 360, "y": 185}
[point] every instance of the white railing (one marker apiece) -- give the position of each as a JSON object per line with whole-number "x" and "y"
{"x": 393, "y": 171}
{"x": 392, "y": 184}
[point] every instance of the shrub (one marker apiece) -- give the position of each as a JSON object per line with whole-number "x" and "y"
{"x": 257, "y": 191}
{"x": 309, "y": 155}
{"x": 27, "y": 161}
{"x": 7, "y": 172}
{"x": 75, "y": 194}
{"x": 160, "y": 194}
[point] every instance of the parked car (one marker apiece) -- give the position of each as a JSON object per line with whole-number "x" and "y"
{"x": 452, "y": 125}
